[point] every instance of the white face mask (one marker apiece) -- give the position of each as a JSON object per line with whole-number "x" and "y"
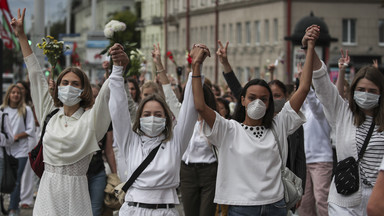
{"x": 366, "y": 100}
{"x": 69, "y": 95}
{"x": 256, "y": 109}
{"x": 152, "y": 126}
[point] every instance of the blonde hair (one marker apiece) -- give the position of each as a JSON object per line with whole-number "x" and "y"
{"x": 21, "y": 106}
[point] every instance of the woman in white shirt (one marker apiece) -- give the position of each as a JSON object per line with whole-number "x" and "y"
{"x": 352, "y": 121}
{"x": 249, "y": 175}
{"x": 154, "y": 191}
{"x": 71, "y": 136}
{"x": 23, "y": 126}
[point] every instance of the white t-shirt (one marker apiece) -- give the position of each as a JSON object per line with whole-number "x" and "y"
{"x": 382, "y": 165}
{"x": 249, "y": 161}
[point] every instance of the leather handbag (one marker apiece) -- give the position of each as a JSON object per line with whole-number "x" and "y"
{"x": 347, "y": 170}
{"x": 293, "y": 189}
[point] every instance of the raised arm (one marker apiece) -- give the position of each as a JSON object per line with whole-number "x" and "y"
{"x": 18, "y": 29}
{"x": 229, "y": 75}
{"x": 118, "y": 104}
{"x": 343, "y": 64}
{"x": 199, "y": 53}
{"x": 299, "y": 96}
{"x": 170, "y": 97}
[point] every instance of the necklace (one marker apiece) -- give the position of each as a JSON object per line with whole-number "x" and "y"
{"x": 66, "y": 121}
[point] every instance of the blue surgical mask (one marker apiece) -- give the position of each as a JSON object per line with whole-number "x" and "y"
{"x": 366, "y": 100}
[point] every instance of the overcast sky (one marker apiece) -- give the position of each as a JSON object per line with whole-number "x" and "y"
{"x": 54, "y": 10}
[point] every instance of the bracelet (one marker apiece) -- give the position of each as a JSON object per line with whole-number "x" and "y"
{"x": 157, "y": 72}
{"x": 198, "y": 76}
{"x": 304, "y": 47}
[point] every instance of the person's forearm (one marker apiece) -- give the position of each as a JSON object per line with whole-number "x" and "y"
{"x": 25, "y": 48}
{"x": 227, "y": 67}
{"x": 162, "y": 74}
{"x": 340, "y": 81}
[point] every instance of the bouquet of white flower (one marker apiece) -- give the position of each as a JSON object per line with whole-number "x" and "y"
{"x": 112, "y": 27}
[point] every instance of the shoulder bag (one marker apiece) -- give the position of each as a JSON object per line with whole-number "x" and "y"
{"x": 347, "y": 170}
{"x": 293, "y": 189}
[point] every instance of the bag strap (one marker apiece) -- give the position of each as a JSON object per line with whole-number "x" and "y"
{"x": 278, "y": 146}
{"x": 366, "y": 141}
{"x": 49, "y": 116}
{"x": 141, "y": 168}
{"x": 2, "y": 125}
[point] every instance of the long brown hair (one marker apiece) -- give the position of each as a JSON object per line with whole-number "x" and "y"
{"x": 168, "y": 116}
{"x": 21, "y": 106}
{"x": 86, "y": 96}
{"x": 374, "y": 75}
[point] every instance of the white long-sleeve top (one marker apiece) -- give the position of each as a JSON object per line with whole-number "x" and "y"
{"x": 249, "y": 171}
{"x": 199, "y": 150}
{"x": 171, "y": 99}
{"x": 67, "y": 145}
{"x": 158, "y": 182}
{"x": 20, "y": 148}
{"x": 6, "y": 138}
{"x": 338, "y": 111}
{"x": 317, "y": 141}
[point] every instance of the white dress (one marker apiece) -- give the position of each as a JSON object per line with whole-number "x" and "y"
{"x": 68, "y": 145}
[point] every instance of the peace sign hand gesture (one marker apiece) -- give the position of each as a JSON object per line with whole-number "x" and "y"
{"x": 18, "y": 24}
{"x": 222, "y": 53}
{"x": 344, "y": 60}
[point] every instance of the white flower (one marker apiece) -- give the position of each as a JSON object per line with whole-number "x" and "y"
{"x": 108, "y": 32}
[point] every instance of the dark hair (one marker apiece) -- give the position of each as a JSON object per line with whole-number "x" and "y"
{"x": 372, "y": 74}
{"x": 281, "y": 86}
{"x": 86, "y": 96}
{"x": 137, "y": 98}
{"x": 226, "y": 106}
{"x": 27, "y": 96}
{"x": 209, "y": 97}
{"x": 239, "y": 114}
{"x": 217, "y": 88}
{"x": 168, "y": 116}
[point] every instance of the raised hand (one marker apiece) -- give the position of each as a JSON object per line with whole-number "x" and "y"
{"x": 222, "y": 52}
{"x": 18, "y": 24}
{"x": 156, "y": 54}
{"x": 199, "y": 53}
{"x": 344, "y": 60}
{"x": 375, "y": 63}
{"x": 119, "y": 57}
{"x": 311, "y": 34}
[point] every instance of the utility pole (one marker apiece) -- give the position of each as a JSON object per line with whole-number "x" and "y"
{"x": 165, "y": 34}
{"x": 216, "y": 39}
{"x": 38, "y": 28}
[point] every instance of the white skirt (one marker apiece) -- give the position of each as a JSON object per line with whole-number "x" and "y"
{"x": 63, "y": 190}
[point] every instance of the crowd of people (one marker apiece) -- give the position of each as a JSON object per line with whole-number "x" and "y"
{"x": 221, "y": 152}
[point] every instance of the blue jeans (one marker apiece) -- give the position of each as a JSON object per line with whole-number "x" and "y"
{"x": 274, "y": 209}
{"x": 15, "y": 195}
{"x": 96, "y": 186}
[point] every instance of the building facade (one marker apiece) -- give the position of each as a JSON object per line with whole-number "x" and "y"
{"x": 256, "y": 30}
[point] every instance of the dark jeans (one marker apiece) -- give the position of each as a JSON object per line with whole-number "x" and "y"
{"x": 15, "y": 195}
{"x": 275, "y": 209}
{"x": 198, "y": 183}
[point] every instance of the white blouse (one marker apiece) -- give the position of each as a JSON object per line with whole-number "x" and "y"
{"x": 249, "y": 161}
{"x": 67, "y": 145}
{"x": 158, "y": 182}
{"x": 21, "y": 148}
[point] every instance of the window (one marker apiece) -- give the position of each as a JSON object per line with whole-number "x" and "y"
{"x": 275, "y": 30}
{"x": 349, "y": 31}
{"x": 238, "y": 33}
{"x": 230, "y": 32}
{"x": 257, "y": 32}
{"x": 257, "y": 72}
{"x": 224, "y": 33}
{"x": 381, "y": 31}
{"x": 248, "y": 33}
{"x": 266, "y": 29}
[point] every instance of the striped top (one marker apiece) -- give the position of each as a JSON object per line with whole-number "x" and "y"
{"x": 370, "y": 163}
